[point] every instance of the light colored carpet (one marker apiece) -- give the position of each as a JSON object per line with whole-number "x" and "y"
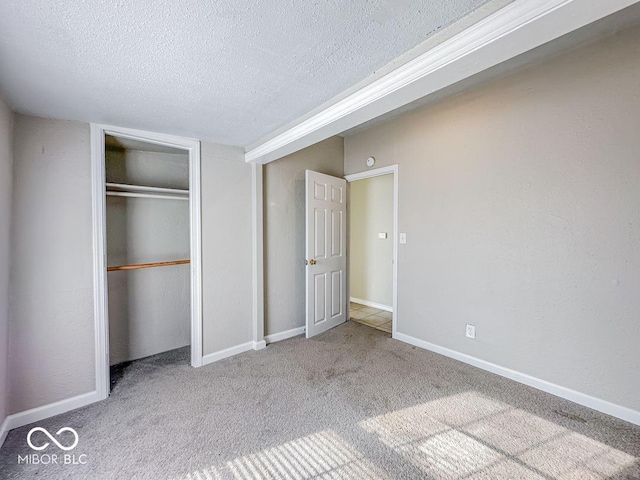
{"x": 351, "y": 403}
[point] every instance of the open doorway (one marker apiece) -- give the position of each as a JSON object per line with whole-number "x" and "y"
{"x": 146, "y": 250}
{"x": 373, "y": 248}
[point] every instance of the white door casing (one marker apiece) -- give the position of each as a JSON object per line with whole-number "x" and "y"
{"x": 101, "y": 313}
{"x": 326, "y": 256}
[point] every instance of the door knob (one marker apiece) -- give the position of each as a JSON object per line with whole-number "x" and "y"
{"x": 312, "y": 261}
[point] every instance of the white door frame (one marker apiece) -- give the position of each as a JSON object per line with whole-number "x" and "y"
{"x": 100, "y": 295}
{"x": 377, "y": 172}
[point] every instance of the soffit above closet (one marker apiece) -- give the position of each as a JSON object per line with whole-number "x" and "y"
{"x": 229, "y": 71}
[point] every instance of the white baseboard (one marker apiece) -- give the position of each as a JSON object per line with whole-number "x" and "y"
{"x": 4, "y": 431}
{"x": 367, "y": 303}
{"x": 276, "y": 337}
{"x": 21, "y": 419}
{"x": 227, "y": 352}
{"x": 618, "y": 411}
{"x": 40, "y": 413}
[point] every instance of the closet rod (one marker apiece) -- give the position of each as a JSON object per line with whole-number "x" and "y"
{"x": 147, "y": 265}
{"x": 125, "y": 187}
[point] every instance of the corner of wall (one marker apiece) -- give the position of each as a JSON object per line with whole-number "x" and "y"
{"x": 6, "y": 192}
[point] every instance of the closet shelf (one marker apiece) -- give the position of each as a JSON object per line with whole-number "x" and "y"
{"x": 141, "y": 191}
{"x": 147, "y": 265}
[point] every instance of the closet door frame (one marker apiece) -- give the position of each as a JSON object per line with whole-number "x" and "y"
{"x": 101, "y": 305}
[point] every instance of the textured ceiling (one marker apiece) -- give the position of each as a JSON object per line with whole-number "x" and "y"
{"x": 228, "y": 71}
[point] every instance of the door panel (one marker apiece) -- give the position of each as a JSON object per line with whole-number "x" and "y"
{"x": 336, "y": 233}
{"x": 320, "y": 234}
{"x": 336, "y": 293}
{"x": 325, "y": 252}
{"x": 320, "y": 288}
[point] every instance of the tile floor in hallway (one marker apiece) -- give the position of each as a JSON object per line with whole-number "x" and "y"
{"x": 371, "y": 317}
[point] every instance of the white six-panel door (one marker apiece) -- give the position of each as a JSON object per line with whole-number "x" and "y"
{"x": 326, "y": 261}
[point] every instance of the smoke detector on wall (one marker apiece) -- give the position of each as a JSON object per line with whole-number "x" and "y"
{"x": 371, "y": 161}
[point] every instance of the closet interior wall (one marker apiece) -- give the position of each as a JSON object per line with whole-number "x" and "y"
{"x": 149, "y": 309}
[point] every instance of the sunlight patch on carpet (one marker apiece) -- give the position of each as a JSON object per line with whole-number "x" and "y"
{"x": 469, "y": 435}
{"x": 322, "y": 455}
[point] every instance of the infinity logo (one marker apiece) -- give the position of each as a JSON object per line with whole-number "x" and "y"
{"x": 61, "y": 447}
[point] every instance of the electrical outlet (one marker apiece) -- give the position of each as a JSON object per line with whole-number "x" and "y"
{"x": 471, "y": 331}
{"x": 403, "y": 238}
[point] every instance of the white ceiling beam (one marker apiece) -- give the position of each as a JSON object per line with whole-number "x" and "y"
{"x": 515, "y": 29}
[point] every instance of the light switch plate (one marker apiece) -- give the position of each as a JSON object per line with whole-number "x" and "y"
{"x": 382, "y": 235}
{"x": 403, "y": 238}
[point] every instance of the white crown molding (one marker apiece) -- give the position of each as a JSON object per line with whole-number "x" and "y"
{"x": 511, "y": 31}
{"x": 604, "y": 406}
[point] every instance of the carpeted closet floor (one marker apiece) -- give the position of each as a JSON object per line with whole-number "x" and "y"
{"x": 351, "y": 403}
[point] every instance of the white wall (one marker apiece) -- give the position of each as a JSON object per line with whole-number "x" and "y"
{"x": 51, "y": 335}
{"x": 284, "y": 244}
{"x": 370, "y": 257}
{"x": 520, "y": 203}
{"x": 6, "y": 181}
{"x": 149, "y": 309}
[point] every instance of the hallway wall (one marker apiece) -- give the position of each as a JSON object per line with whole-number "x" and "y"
{"x": 370, "y": 257}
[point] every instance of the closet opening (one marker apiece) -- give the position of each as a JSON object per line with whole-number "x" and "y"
{"x": 147, "y": 195}
{"x": 147, "y": 252}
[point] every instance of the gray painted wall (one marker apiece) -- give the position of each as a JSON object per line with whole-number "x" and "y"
{"x": 284, "y": 231}
{"x": 51, "y": 348}
{"x": 520, "y": 204}
{"x": 149, "y": 309}
{"x": 51, "y": 334}
{"x": 227, "y": 269}
{"x": 6, "y": 181}
{"x": 371, "y": 258}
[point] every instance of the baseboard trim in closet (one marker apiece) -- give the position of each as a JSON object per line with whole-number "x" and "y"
{"x": 227, "y": 352}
